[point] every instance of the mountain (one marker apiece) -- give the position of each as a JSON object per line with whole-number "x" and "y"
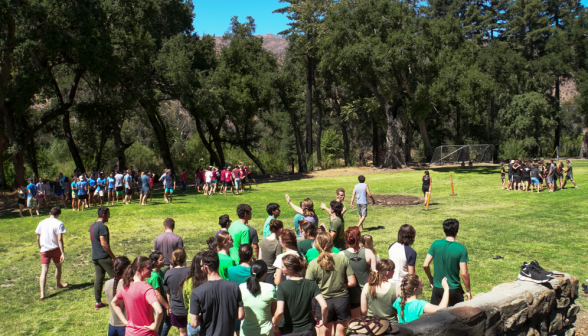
{"x": 272, "y": 43}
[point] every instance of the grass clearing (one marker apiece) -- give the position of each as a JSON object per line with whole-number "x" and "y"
{"x": 548, "y": 227}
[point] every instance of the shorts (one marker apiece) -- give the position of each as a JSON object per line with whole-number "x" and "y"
{"x": 362, "y": 210}
{"x": 169, "y": 190}
{"x": 41, "y": 196}
{"x": 128, "y": 191}
{"x": 338, "y": 309}
{"x": 31, "y": 202}
{"x": 22, "y": 201}
{"x": 526, "y": 178}
{"x": 91, "y": 191}
{"x": 48, "y": 193}
{"x": 179, "y": 321}
{"x": 237, "y": 183}
{"x": 74, "y": 194}
{"x": 455, "y": 296}
{"x": 116, "y": 331}
{"x": 517, "y": 178}
{"x": 541, "y": 180}
{"x": 550, "y": 179}
{"x": 99, "y": 193}
{"x": 425, "y": 189}
{"x": 119, "y": 189}
{"x": 110, "y": 190}
{"x": 309, "y": 332}
{"x": 502, "y": 176}
{"x": 570, "y": 178}
{"x": 197, "y": 181}
{"x": 511, "y": 178}
{"x": 59, "y": 193}
{"x": 228, "y": 183}
{"x": 209, "y": 184}
{"x": 534, "y": 180}
{"x": 47, "y": 256}
{"x": 214, "y": 181}
{"x": 144, "y": 192}
{"x": 83, "y": 197}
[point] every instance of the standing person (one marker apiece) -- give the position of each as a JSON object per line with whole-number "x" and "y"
{"x": 333, "y": 275}
{"x": 168, "y": 242}
{"x": 224, "y": 243}
{"x": 194, "y": 278}
{"x": 110, "y": 183}
{"x": 337, "y": 226}
{"x": 208, "y": 178}
{"x": 119, "y": 185}
{"x": 74, "y": 194}
{"x": 225, "y": 222}
{"x": 50, "y": 241}
{"x": 560, "y": 174}
{"x": 516, "y": 175}
{"x": 40, "y": 193}
{"x": 150, "y": 187}
{"x": 502, "y": 175}
{"x": 273, "y": 211}
{"x": 526, "y": 176}
{"x": 270, "y": 248}
{"x": 542, "y": 176}
{"x": 48, "y": 196}
{"x": 228, "y": 180}
{"x": 253, "y": 240}
{"x": 426, "y": 185}
{"x": 65, "y": 185}
{"x": 510, "y": 175}
{"x": 184, "y": 181}
{"x": 91, "y": 189}
{"x": 362, "y": 261}
{"x": 216, "y": 304}
{"x": 22, "y": 200}
{"x": 172, "y": 283}
{"x": 137, "y": 183}
{"x": 304, "y": 211}
{"x": 535, "y": 178}
{"x": 128, "y": 181}
{"x": 169, "y": 183}
{"x": 289, "y": 244}
{"x": 156, "y": 281}
{"x": 379, "y": 292}
{"x": 32, "y": 197}
{"x": 248, "y": 175}
{"x": 309, "y": 232}
{"x": 450, "y": 259}
{"x": 402, "y": 254}
{"x": 140, "y": 300}
{"x": 58, "y": 192}
{"x": 102, "y": 255}
{"x": 340, "y": 195}
{"x": 83, "y": 186}
{"x": 296, "y": 299}
{"x": 362, "y": 191}
{"x": 145, "y": 188}
{"x": 239, "y": 230}
{"x": 101, "y": 188}
{"x": 236, "y": 174}
{"x": 197, "y": 180}
{"x": 551, "y": 176}
{"x": 115, "y": 326}
{"x": 259, "y": 300}
{"x": 240, "y": 273}
{"x": 367, "y": 242}
{"x": 569, "y": 175}
{"x": 215, "y": 177}
{"x": 409, "y": 308}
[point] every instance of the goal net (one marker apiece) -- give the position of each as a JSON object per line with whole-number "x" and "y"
{"x": 454, "y": 154}
{"x": 571, "y": 152}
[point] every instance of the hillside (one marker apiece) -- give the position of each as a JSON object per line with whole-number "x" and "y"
{"x": 271, "y": 42}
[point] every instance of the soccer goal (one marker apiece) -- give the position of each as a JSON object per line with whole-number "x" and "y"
{"x": 454, "y": 154}
{"x": 570, "y": 152}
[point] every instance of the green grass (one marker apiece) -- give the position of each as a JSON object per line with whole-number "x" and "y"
{"x": 549, "y": 227}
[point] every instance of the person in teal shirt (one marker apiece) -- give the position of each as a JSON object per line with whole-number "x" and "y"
{"x": 156, "y": 281}
{"x": 241, "y": 273}
{"x": 409, "y": 307}
{"x": 273, "y": 211}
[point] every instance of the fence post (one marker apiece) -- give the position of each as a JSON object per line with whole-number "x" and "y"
{"x": 451, "y": 180}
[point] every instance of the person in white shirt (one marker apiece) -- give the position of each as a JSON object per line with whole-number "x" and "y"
{"x": 208, "y": 178}
{"x": 50, "y": 240}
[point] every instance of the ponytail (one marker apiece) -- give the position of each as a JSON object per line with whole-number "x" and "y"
{"x": 377, "y": 277}
{"x": 408, "y": 288}
{"x": 294, "y": 264}
{"x": 258, "y": 271}
{"x": 131, "y": 270}
{"x": 324, "y": 244}
{"x": 120, "y": 265}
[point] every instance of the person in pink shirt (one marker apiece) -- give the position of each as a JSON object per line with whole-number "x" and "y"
{"x": 236, "y": 174}
{"x": 247, "y": 176}
{"x": 139, "y": 299}
{"x": 227, "y": 179}
{"x": 184, "y": 181}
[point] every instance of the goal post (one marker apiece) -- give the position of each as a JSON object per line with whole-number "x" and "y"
{"x": 454, "y": 154}
{"x": 562, "y": 152}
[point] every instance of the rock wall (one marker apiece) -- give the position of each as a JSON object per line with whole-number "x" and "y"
{"x": 518, "y": 308}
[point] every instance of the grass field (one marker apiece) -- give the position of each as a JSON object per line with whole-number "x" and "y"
{"x": 548, "y": 227}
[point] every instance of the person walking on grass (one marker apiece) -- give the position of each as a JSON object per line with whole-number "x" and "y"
{"x": 102, "y": 255}
{"x": 83, "y": 192}
{"x": 362, "y": 191}
{"x": 293, "y": 315}
{"x": 273, "y": 212}
{"x": 569, "y": 175}
{"x": 409, "y": 307}
{"x": 50, "y": 241}
{"x": 216, "y": 304}
{"x": 167, "y": 243}
{"x": 239, "y": 230}
{"x": 156, "y": 281}
{"x": 172, "y": 284}
{"x": 169, "y": 183}
{"x": 450, "y": 261}
{"x": 145, "y": 188}
{"x": 270, "y": 248}
{"x": 111, "y": 287}
{"x": 32, "y": 197}
{"x": 379, "y": 291}
{"x": 139, "y": 299}
{"x": 426, "y": 184}
{"x": 119, "y": 185}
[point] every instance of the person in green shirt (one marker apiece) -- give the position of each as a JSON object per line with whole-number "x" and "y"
{"x": 379, "y": 291}
{"x": 410, "y": 308}
{"x": 273, "y": 211}
{"x": 224, "y": 243}
{"x": 334, "y": 276}
{"x": 337, "y": 227}
{"x": 258, "y": 298}
{"x": 239, "y": 231}
{"x": 313, "y": 253}
{"x": 156, "y": 281}
{"x": 194, "y": 278}
{"x": 309, "y": 233}
{"x": 450, "y": 260}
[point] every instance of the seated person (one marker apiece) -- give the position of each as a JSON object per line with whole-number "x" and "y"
{"x": 410, "y": 308}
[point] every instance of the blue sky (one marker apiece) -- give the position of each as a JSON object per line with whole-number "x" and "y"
{"x": 213, "y": 17}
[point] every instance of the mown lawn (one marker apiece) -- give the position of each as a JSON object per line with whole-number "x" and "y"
{"x": 548, "y": 227}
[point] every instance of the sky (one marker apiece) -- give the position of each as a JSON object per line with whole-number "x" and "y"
{"x": 214, "y": 16}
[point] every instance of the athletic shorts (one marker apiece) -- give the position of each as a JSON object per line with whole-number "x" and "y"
{"x": 197, "y": 181}
{"x": 179, "y": 321}
{"x": 58, "y": 193}
{"x": 214, "y": 181}
{"x": 362, "y": 210}
{"x": 74, "y": 194}
{"x": 209, "y": 184}
{"x": 91, "y": 191}
{"x": 41, "y": 196}
{"x": 47, "y": 256}
{"x": 534, "y": 180}
{"x": 526, "y": 178}
{"x": 425, "y": 188}
{"x": 128, "y": 191}
{"x": 110, "y": 190}
{"x": 228, "y": 183}
{"x": 569, "y": 177}
{"x": 48, "y": 193}
{"x": 455, "y": 296}
{"x": 144, "y": 192}
{"x": 31, "y": 202}
{"x": 120, "y": 188}
{"x": 100, "y": 193}
{"x": 502, "y": 176}
{"x": 517, "y": 178}
{"x": 511, "y": 178}
{"x": 83, "y": 197}
{"x": 169, "y": 190}
{"x": 339, "y": 309}
{"x": 22, "y": 201}
{"x": 550, "y": 179}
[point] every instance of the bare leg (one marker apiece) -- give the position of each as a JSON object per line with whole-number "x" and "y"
{"x": 20, "y": 208}
{"x": 58, "y": 273}
{"x": 43, "y": 279}
{"x": 340, "y": 328}
{"x": 360, "y": 224}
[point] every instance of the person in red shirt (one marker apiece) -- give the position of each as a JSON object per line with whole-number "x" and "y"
{"x": 227, "y": 180}
{"x": 247, "y": 175}
{"x": 236, "y": 175}
{"x": 184, "y": 181}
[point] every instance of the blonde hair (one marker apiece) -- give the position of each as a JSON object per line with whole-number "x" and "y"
{"x": 378, "y": 276}
{"x": 368, "y": 243}
{"x": 308, "y": 208}
{"x": 324, "y": 243}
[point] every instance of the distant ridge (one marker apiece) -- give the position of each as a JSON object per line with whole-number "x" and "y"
{"x": 272, "y": 43}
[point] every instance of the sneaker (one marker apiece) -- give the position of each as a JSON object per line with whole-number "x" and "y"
{"x": 576, "y": 187}
{"x": 584, "y": 288}
{"x": 540, "y": 269}
{"x": 530, "y": 273}
{"x": 100, "y": 305}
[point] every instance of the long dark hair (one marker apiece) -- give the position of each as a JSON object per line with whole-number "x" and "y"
{"x": 288, "y": 238}
{"x": 131, "y": 270}
{"x": 120, "y": 266}
{"x": 195, "y": 273}
{"x": 408, "y": 288}
{"x": 258, "y": 271}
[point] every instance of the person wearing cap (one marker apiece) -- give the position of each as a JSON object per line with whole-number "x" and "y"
{"x": 32, "y": 197}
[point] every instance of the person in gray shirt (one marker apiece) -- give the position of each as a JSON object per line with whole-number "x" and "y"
{"x": 569, "y": 175}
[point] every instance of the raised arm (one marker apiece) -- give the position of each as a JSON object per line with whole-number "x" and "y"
{"x": 431, "y": 308}
{"x": 294, "y": 206}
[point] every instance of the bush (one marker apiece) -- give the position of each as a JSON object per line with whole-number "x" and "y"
{"x": 512, "y": 149}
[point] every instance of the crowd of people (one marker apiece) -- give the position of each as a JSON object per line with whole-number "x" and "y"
{"x": 538, "y": 175}
{"x": 82, "y": 190}
{"x": 310, "y": 278}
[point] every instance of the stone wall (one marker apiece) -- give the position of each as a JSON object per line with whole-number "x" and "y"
{"x": 518, "y": 308}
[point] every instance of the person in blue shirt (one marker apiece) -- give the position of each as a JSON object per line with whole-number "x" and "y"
{"x": 145, "y": 188}
{"x": 169, "y": 183}
{"x": 100, "y": 187}
{"x": 110, "y": 180}
{"x": 83, "y": 188}
{"x": 128, "y": 184}
{"x": 74, "y": 193}
{"x": 92, "y": 189}
{"x": 32, "y": 197}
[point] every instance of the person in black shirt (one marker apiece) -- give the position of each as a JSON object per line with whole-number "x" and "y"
{"x": 502, "y": 174}
{"x": 102, "y": 256}
{"x": 426, "y": 183}
{"x": 535, "y": 178}
{"x": 516, "y": 175}
{"x": 510, "y": 175}
{"x": 526, "y": 173}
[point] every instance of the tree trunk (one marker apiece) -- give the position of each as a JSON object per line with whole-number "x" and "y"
{"x": 375, "y": 143}
{"x": 557, "y": 117}
{"x": 32, "y": 159}
{"x": 408, "y": 131}
{"x": 425, "y": 137}
{"x": 343, "y": 125}
{"x": 255, "y": 160}
{"x": 458, "y": 140}
{"x": 3, "y": 183}
{"x": 160, "y": 132}
{"x": 394, "y": 156}
{"x": 98, "y": 158}
{"x": 119, "y": 146}
{"x": 308, "y": 106}
{"x": 71, "y": 144}
{"x": 216, "y": 139}
{"x": 319, "y": 131}
{"x": 296, "y": 130}
{"x": 205, "y": 142}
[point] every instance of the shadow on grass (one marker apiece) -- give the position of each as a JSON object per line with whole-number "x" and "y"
{"x": 374, "y": 228}
{"x": 71, "y": 287}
